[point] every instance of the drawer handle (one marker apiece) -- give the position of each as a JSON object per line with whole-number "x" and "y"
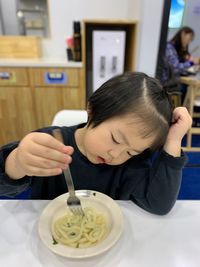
{"x": 55, "y": 78}
{"x": 9, "y": 76}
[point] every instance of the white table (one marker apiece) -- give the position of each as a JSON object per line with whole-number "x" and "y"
{"x": 148, "y": 240}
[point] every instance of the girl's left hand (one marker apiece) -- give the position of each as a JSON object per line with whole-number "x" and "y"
{"x": 196, "y": 60}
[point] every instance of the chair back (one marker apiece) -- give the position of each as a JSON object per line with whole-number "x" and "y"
{"x": 170, "y": 82}
{"x": 69, "y": 117}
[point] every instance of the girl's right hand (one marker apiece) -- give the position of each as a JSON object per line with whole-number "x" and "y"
{"x": 196, "y": 60}
{"x": 38, "y": 154}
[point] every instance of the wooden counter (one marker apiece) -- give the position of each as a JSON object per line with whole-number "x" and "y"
{"x": 40, "y": 62}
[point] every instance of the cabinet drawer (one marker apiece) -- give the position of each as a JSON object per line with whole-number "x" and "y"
{"x": 13, "y": 76}
{"x": 55, "y": 77}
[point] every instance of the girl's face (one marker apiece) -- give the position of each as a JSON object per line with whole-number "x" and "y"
{"x": 186, "y": 39}
{"x": 112, "y": 142}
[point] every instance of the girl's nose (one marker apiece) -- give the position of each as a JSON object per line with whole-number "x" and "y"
{"x": 115, "y": 153}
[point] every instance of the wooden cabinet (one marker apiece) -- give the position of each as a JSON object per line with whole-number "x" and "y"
{"x": 56, "y": 89}
{"x": 17, "y": 116}
{"x": 51, "y": 100}
{"x": 30, "y": 97}
{"x": 14, "y": 77}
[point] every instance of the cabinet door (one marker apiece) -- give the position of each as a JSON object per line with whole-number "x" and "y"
{"x": 16, "y": 113}
{"x": 14, "y": 77}
{"x": 50, "y": 100}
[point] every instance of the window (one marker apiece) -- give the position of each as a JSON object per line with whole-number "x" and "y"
{"x": 176, "y": 13}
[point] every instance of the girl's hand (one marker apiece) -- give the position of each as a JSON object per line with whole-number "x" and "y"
{"x": 196, "y": 60}
{"x": 181, "y": 123}
{"x": 38, "y": 154}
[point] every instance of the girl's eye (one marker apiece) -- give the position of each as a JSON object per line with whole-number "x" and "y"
{"x": 134, "y": 153}
{"x": 114, "y": 140}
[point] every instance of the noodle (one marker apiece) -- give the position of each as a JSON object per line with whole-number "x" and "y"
{"x": 80, "y": 231}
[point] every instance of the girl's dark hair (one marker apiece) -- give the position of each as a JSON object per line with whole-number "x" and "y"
{"x": 133, "y": 93}
{"x": 176, "y": 40}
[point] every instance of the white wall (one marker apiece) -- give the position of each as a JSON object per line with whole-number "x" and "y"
{"x": 1, "y": 20}
{"x": 1, "y": 30}
{"x": 62, "y": 13}
{"x": 192, "y": 19}
{"x": 149, "y": 35}
{"x": 9, "y": 16}
{"x": 148, "y": 13}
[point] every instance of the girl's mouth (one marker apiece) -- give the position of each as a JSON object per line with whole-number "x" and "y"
{"x": 101, "y": 160}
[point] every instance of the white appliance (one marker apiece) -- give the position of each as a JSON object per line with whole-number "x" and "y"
{"x": 108, "y": 52}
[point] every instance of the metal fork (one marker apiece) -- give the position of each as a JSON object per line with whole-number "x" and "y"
{"x": 73, "y": 201}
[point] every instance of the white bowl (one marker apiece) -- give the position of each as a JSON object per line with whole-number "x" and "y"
{"x": 100, "y": 202}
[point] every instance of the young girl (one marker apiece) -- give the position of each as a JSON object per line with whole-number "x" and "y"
{"x": 129, "y": 118}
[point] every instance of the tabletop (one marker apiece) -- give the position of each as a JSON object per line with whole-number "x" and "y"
{"x": 191, "y": 79}
{"x": 148, "y": 240}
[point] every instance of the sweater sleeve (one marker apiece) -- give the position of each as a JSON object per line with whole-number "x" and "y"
{"x": 157, "y": 183}
{"x": 172, "y": 58}
{"x": 8, "y": 186}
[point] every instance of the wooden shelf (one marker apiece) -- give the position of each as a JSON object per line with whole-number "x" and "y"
{"x": 34, "y": 28}
{"x": 31, "y": 10}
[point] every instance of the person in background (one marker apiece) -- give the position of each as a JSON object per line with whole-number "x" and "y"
{"x": 178, "y": 56}
{"x": 130, "y": 148}
{"x": 177, "y": 50}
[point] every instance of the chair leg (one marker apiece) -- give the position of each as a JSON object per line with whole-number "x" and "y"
{"x": 176, "y": 100}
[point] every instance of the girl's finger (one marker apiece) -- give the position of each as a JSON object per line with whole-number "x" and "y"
{"x": 35, "y": 171}
{"x": 48, "y": 153}
{"x": 39, "y": 162}
{"x": 51, "y": 142}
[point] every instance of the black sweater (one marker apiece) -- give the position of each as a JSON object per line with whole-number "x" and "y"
{"x": 151, "y": 182}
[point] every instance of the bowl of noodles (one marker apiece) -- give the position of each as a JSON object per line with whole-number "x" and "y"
{"x": 76, "y": 236}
